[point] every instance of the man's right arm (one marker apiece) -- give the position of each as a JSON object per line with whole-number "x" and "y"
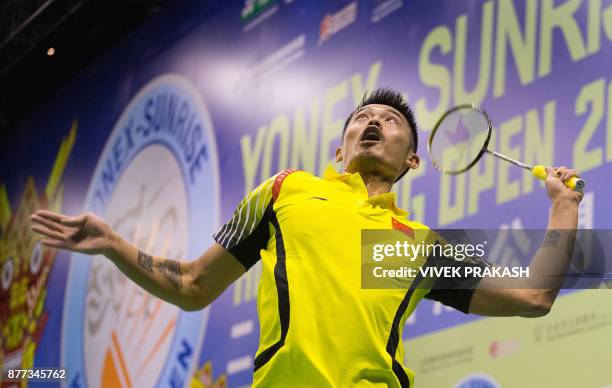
{"x": 189, "y": 285}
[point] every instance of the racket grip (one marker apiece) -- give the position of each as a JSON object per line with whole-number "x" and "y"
{"x": 573, "y": 183}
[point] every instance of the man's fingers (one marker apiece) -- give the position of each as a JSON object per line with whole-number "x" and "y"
{"x": 46, "y": 222}
{"x": 563, "y": 173}
{"x": 53, "y": 216}
{"x": 38, "y": 228}
{"x": 61, "y": 218}
{"x": 74, "y": 221}
{"x": 559, "y": 171}
{"x": 568, "y": 174}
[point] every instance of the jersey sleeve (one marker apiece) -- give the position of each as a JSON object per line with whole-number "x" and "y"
{"x": 455, "y": 292}
{"x": 247, "y": 231}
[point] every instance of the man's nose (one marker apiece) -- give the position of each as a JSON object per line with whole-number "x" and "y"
{"x": 375, "y": 122}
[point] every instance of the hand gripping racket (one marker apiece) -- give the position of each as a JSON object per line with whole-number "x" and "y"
{"x": 461, "y": 137}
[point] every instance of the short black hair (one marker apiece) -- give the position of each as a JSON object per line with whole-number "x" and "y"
{"x": 392, "y": 98}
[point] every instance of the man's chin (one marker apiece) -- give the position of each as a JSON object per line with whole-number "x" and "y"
{"x": 373, "y": 152}
{"x": 367, "y": 160}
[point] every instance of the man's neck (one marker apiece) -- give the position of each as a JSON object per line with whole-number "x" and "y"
{"x": 376, "y": 183}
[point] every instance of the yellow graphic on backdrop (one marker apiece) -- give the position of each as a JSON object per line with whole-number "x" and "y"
{"x": 203, "y": 378}
{"x": 25, "y": 265}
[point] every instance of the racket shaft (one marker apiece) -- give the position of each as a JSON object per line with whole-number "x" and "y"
{"x": 509, "y": 159}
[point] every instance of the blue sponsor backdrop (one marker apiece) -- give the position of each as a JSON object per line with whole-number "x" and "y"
{"x": 278, "y": 79}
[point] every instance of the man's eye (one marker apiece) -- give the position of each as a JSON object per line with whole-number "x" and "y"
{"x": 361, "y": 117}
{"x": 392, "y": 120}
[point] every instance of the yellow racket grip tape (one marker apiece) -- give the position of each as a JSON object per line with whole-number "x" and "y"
{"x": 573, "y": 183}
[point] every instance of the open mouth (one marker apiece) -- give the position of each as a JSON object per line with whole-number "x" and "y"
{"x": 371, "y": 134}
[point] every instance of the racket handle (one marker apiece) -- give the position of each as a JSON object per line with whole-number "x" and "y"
{"x": 573, "y": 183}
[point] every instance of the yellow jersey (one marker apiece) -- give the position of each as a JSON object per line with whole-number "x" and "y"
{"x": 318, "y": 326}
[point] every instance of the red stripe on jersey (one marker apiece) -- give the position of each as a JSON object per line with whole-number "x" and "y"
{"x": 402, "y": 228}
{"x": 278, "y": 182}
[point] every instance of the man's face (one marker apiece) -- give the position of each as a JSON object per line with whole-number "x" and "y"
{"x": 378, "y": 139}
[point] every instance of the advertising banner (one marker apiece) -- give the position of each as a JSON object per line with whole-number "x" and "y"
{"x": 168, "y": 131}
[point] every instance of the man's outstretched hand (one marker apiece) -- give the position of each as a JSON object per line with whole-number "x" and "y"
{"x": 85, "y": 233}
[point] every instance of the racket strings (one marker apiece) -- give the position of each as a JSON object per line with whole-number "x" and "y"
{"x": 458, "y": 140}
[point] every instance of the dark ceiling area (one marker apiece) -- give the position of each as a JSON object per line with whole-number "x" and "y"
{"x": 75, "y": 32}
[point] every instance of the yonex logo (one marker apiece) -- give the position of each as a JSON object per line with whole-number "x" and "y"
{"x": 115, "y": 334}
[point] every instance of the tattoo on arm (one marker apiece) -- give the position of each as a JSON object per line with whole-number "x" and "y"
{"x": 145, "y": 261}
{"x": 551, "y": 239}
{"x": 171, "y": 269}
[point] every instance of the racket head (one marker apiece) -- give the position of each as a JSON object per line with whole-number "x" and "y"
{"x": 459, "y": 138}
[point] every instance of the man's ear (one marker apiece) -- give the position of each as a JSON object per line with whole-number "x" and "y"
{"x": 412, "y": 160}
{"x": 338, "y": 154}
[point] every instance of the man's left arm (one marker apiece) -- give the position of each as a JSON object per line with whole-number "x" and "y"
{"x": 535, "y": 297}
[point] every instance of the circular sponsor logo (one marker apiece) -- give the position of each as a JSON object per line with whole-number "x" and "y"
{"x": 157, "y": 185}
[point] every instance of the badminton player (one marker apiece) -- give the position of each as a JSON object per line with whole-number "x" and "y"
{"x": 319, "y": 328}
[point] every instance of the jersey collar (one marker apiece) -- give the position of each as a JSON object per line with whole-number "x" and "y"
{"x": 385, "y": 200}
